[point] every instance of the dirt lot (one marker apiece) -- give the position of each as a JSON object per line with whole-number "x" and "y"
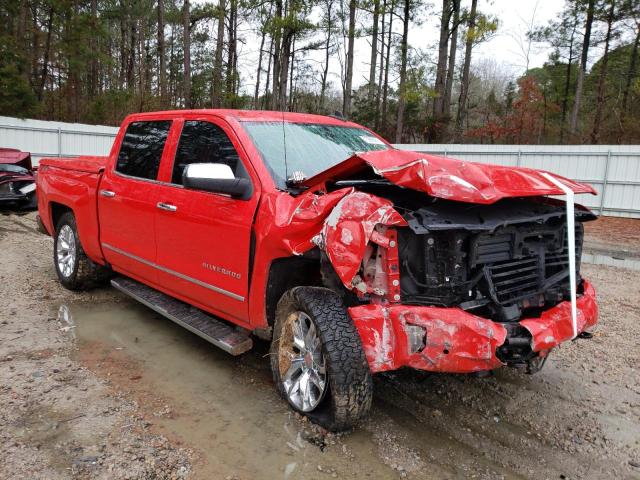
{"x": 614, "y": 234}
{"x": 97, "y": 386}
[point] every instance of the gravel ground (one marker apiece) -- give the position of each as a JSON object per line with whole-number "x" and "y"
{"x": 58, "y": 419}
{"x": 120, "y": 393}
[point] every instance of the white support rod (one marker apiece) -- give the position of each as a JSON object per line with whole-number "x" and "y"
{"x": 571, "y": 240}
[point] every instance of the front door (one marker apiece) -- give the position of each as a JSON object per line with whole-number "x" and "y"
{"x": 127, "y": 201}
{"x": 204, "y": 239}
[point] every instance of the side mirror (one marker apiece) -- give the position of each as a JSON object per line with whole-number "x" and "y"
{"x": 215, "y": 178}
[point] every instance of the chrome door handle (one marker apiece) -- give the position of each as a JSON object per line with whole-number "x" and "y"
{"x": 166, "y": 206}
{"x": 107, "y": 193}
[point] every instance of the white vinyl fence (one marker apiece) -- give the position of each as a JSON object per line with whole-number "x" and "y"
{"x": 613, "y": 170}
{"x": 55, "y": 139}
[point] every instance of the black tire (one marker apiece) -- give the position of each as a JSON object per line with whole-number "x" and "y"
{"x": 85, "y": 273}
{"x": 350, "y": 386}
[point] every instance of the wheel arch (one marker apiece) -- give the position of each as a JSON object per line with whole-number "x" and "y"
{"x": 288, "y": 272}
{"x": 56, "y": 210}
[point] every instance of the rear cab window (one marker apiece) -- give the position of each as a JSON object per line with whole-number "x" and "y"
{"x": 141, "y": 149}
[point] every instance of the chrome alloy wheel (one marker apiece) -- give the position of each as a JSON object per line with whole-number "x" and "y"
{"x": 302, "y": 365}
{"x": 66, "y": 251}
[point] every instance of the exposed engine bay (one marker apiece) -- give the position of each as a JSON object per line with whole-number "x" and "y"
{"x": 506, "y": 261}
{"x": 503, "y": 261}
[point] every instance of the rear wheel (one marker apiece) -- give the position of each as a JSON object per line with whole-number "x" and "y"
{"x": 75, "y": 270}
{"x": 317, "y": 359}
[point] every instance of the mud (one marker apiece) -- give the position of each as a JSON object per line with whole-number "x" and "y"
{"x": 95, "y": 385}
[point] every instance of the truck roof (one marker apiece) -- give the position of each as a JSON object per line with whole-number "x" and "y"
{"x": 248, "y": 115}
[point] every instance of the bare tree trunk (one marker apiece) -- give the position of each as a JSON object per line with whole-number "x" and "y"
{"x": 376, "y": 122}
{"x": 441, "y": 72}
{"x": 45, "y": 60}
{"x": 567, "y": 84}
{"x": 216, "y": 97}
{"x": 187, "y": 54}
{"x": 464, "y": 83}
{"x": 595, "y": 133}
{"x": 123, "y": 44}
{"x": 448, "y": 89}
{"x": 374, "y": 50}
{"x": 93, "y": 63}
{"x": 632, "y": 71}
{"x": 256, "y": 94}
{"x": 385, "y": 90}
{"x": 265, "y": 98}
{"x": 292, "y": 63}
{"x": 232, "y": 48}
{"x": 277, "y": 38}
{"x": 346, "y": 101}
{"x": 285, "y": 56}
{"x": 583, "y": 67}
{"x": 327, "y": 55}
{"x": 162, "y": 65}
{"x": 403, "y": 72}
{"x": 131, "y": 65}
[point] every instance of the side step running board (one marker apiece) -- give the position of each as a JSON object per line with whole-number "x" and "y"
{"x": 193, "y": 319}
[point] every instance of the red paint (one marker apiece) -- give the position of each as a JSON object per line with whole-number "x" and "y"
{"x": 349, "y": 227}
{"x": 16, "y": 157}
{"x": 450, "y": 179}
{"x": 86, "y": 164}
{"x": 458, "y": 341}
{"x": 555, "y": 325}
{"x": 244, "y": 236}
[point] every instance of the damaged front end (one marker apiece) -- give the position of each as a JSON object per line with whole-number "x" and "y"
{"x": 17, "y": 180}
{"x": 472, "y": 276}
{"x": 486, "y": 285}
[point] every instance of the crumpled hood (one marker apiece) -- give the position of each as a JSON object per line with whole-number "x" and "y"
{"x": 448, "y": 178}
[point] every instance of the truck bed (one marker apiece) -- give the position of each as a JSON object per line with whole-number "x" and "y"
{"x": 86, "y": 164}
{"x": 72, "y": 183}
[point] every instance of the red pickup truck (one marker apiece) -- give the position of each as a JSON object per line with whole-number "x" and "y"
{"x": 350, "y": 256}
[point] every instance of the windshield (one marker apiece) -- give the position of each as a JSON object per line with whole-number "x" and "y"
{"x": 7, "y": 167}
{"x": 310, "y": 147}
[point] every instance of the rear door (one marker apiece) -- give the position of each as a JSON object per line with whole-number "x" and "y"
{"x": 127, "y": 200}
{"x": 203, "y": 238}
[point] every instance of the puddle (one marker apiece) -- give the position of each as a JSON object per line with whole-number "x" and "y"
{"x": 425, "y": 426}
{"x": 224, "y": 407}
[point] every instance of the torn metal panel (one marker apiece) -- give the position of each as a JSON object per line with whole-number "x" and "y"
{"x": 456, "y": 341}
{"x": 288, "y": 224}
{"x": 349, "y": 228}
{"x": 341, "y": 223}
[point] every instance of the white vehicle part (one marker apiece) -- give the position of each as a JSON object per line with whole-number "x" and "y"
{"x": 28, "y": 189}
{"x": 571, "y": 240}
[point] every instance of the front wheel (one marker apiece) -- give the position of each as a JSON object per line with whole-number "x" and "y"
{"x": 317, "y": 359}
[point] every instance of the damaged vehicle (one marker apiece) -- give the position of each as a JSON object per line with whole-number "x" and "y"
{"x": 349, "y": 256}
{"x": 17, "y": 180}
